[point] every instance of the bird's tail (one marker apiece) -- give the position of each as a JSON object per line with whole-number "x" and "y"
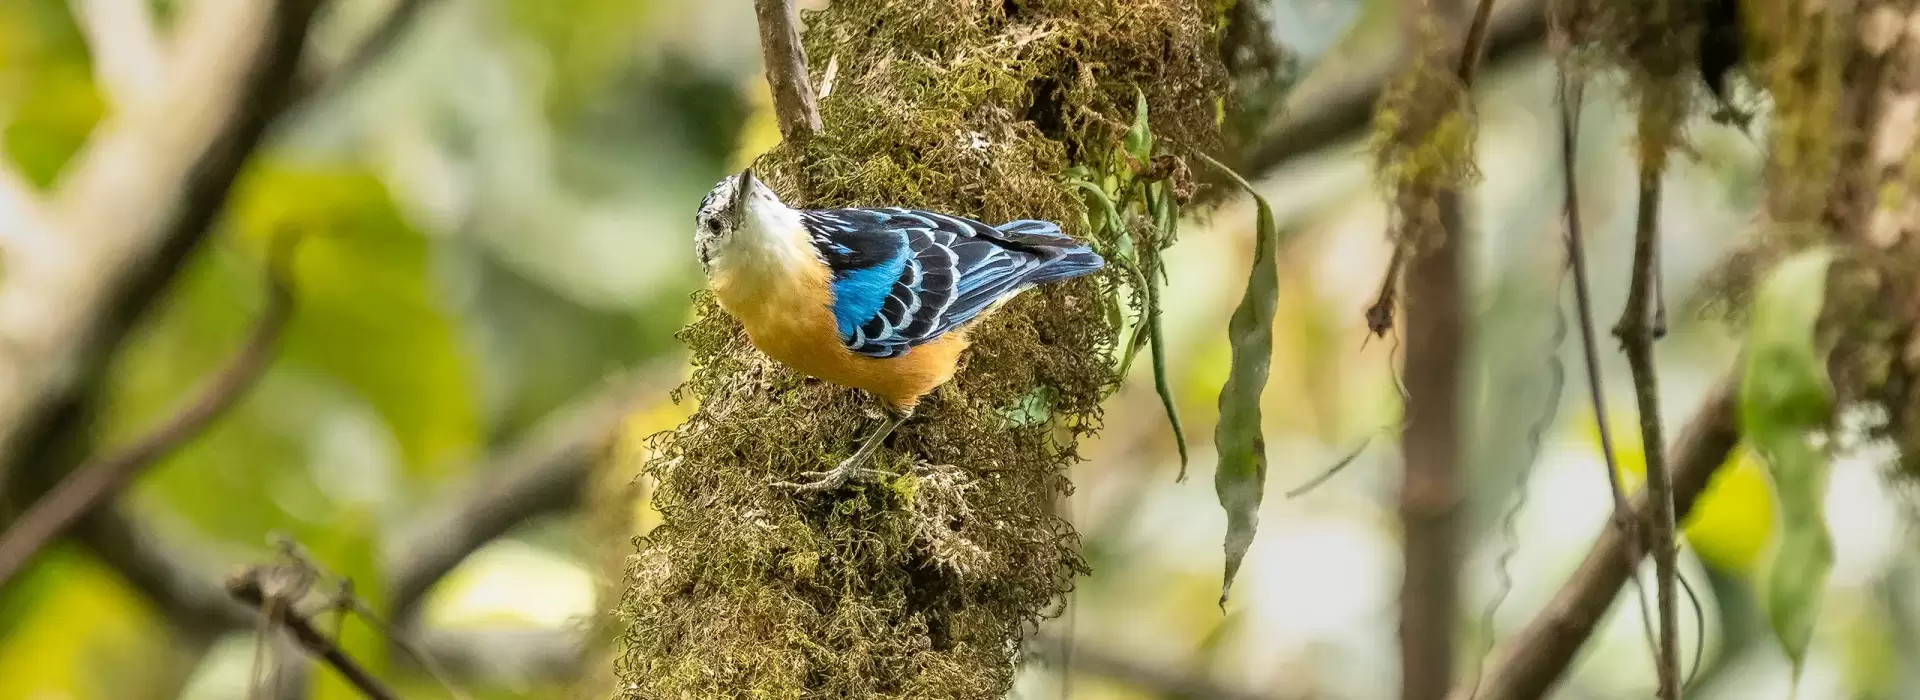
{"x": 1063, "y": 257}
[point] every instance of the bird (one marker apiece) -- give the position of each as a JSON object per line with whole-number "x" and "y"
{"x": 877, "y": 299}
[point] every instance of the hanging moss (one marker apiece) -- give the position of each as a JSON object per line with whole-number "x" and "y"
{"x": 1422, "y": 138}
{"x": 918, "y": 587}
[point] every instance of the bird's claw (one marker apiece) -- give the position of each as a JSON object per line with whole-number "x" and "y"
{"x": 816, "y": 482}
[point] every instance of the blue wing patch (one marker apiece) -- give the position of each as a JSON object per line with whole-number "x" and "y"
{"x": 902, "y": 277}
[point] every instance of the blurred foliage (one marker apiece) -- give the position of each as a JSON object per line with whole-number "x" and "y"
{"x": 496, "y": 219}
{"x": 47, "y": 100}
{"x": 1731, "y": 524}
{"x": 419, "y": 340}
{"x": 1786, "y": 405}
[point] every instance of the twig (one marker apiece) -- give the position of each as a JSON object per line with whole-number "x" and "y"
{"x": 1570, "y": 91}
{"x": 1530, "y": 664}
{"x": 100, "y": 479}
{"x": 195, "y": 603}
{"x": 173, "y": 579}
{"x": 1635, "y": 332}
{"x": 248, "y": 587}
{"x": 1475, "y": 45}
{"x": 344, "y": 602}
{"x": 793, "y": 101}
{"x": 544, "y": 473}
{"x": 1316, "y": 118}
{"x": 137, "y": 200}
{"x": 319, "y": 83}
{"x": 1380, "y": 314}
{"x": 1157, "y": 678}
{"x": 129, "y": 62}
{"x": 1328, "y": 473}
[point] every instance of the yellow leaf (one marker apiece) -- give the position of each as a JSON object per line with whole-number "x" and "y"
{"x": 1731, "y": 525}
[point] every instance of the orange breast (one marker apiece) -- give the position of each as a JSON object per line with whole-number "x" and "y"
{"x": 791, "y": 320}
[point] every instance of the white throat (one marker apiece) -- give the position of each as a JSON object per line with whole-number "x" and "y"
{"x": 770, "y": 248}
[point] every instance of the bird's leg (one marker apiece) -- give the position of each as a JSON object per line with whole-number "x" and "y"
{"x": 851, "y": 466}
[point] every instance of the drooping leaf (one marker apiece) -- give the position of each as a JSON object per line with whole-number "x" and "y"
{"x": 1166, "y": 217}
{"x": 1241, "y": 478}
{"x": 1784, "y": 401}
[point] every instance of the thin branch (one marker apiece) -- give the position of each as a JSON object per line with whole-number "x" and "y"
{"x": 1636, "y": 333}
{"x": 1156, "y": 678}
{"x": 793, "y": 101}
{"x": 174, "y": 580}
{"x": 100, "y": 479}
{"x": 316, "y": 83}
{"x": 1476, "y": 43}
{"x": 1318, "y": 117}
{"x": 247, "y": 587}
{"x": 1571, "y": 91}
{"x": 139, "y": 199}
{"x": 193, "y": 602}
{"x": 545, "y": 473}
{"x": 129, "y": 62}
{"x": 1530, "y": 664}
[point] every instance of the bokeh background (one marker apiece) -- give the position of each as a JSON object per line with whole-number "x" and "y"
{"x": 497, "y": 220}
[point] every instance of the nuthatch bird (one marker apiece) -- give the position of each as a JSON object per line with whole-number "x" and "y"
{"x": 875, "y": 299}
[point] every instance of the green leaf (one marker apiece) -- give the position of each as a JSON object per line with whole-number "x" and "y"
{"x": 1166, "y": 218}
{"x": 1241, "y": 478}
{"x": 368, "y": 315}
{"x": 1784, "y": 401}
{"x": 1139, "y": 141}
{"x": 48, "y": 103}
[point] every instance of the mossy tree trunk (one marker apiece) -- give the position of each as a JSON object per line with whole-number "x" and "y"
{"x": 919, "y": 587}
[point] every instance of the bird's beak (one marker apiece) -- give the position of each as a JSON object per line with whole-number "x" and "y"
{"x": 740, "y": 191}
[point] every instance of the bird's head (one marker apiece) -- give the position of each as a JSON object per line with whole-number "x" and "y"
{"x": 729, "y": 208}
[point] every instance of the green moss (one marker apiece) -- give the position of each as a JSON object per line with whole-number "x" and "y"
{"x": 919, "y": 587}
{"x": 1422, "y": 138}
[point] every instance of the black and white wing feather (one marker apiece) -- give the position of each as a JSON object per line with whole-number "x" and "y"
{"x": 902, "y": 277}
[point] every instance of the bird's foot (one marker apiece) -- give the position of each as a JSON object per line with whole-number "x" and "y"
{"x": 816, "y": 482}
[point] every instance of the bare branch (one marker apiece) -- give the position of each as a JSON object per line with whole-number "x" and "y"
{"x": 139, "y": 199}
{"x": 174, "y": 580}
{"x": 1316, "y": 118}
{"x": 249, "y": 588}
{"x": 1636, "y": 331}
{"x": 194, "y": 603}
{"x": 1571, "y": 90}
{"x": 100, "y": 479}
{"x": 545, "y": 473}
{"x": 129, "y": 62}
{"x": 317, "y": 83}
{"x": 1531, "y": 663}
{"x": 1158, "y": 679}
{"x": 786, "y": 59}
